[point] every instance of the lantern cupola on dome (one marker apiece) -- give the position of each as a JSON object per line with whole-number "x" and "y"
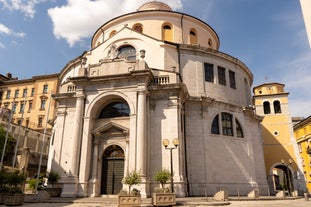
{"x": 155, "y": 5}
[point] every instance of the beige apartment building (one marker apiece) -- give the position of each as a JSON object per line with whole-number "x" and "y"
{"x": 29, "y": 99}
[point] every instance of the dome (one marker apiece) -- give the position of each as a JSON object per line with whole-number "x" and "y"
{"x": 155, "y": 5}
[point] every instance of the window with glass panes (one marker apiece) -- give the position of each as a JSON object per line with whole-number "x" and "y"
{"x": 232, "y": 79}
{"x": 45, "y": 88}
{"x": 226, "y": 122}
{"x": 42, "y": 105}
{"x": 221, "y": 75}
{"x": 16, "y": 93}
{"x": 25, "y": 92}
{"x": 209, "y": 72}
{"x": 8, "y": 94}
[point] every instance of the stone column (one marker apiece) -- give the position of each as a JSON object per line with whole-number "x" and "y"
{"x": 141, "y": 126}
{"x": 94, "y": 185}
{"x": 76, "y": 134}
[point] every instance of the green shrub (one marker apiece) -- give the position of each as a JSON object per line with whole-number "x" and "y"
{"x": 162, "y": 177}
{"x": 132, "y": 178}
{"x": 53, "y": 177}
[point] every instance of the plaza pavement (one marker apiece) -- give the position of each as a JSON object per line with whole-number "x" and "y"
{"x": 186, "y": 202}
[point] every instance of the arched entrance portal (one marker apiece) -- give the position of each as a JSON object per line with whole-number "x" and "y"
{"x": 282, "y": 179}
{"x": 112, "y": 170}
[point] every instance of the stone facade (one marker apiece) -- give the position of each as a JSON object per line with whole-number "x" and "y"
{"x": 151, "y": 75}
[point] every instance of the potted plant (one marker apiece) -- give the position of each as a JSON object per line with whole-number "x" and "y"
{"x": 32, "y": 183}
{"x": 14, "y": 182}
{"x": 163, "y": 196}
{"x": 3, "y": 187}
{"x": 53, "y": 178}
{"x": 130, "y": 198}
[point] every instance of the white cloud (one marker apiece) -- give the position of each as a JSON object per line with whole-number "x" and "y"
{"x": 25, "y": 6}
{"x": 297, "y": 80}
{"x": 7, "y": 31}
{"x": 79, "y": 19}
{"x": 2, "y": 45}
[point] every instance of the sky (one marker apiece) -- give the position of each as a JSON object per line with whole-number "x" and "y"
{"x": 39, "y": 37}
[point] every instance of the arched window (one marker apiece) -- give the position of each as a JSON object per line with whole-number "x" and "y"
{"x": 113, "y": 152}
{"x": 239, "y": 132}
{"x": 223, "y": 124}
{"x": 226, "y": 122}
{"x": 266, "y": 107}
{"x": 210, "y": 43}
{"x": 112, "y": 33}
{"x": 193, "y": 37}
{"x": 127, "y": 52}
{"x": 167, "y": 33}
{"x": 115, "y": 109}
{"x": 277, "y": 107}
{"x": 215, "y": 125}
{"x": 138, "y": 28}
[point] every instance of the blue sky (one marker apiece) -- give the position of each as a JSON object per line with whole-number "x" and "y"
{"x": 39, "y": 37}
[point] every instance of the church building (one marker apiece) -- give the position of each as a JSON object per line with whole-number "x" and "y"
{"x": 151, "y": 75}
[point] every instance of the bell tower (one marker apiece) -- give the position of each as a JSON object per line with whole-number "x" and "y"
{"x": 282, "y": 161}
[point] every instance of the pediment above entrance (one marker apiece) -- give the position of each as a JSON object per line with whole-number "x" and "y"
{"x": 110, "y": 129}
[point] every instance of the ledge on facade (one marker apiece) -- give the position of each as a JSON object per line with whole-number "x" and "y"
{"x": 63, "y": 95}
{"x": 168, "y": 86}
{"x": 201, "y": 98}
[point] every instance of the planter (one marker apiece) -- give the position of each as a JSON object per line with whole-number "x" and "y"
{"x": 163, "y": 199}
{"x": 1, "y": 198}
{"x": 54, "y": 192}
{"x": 15, "y": 199}
{"x": 129, "y": 200}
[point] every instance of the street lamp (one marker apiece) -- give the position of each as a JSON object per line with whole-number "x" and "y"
{"x": 290, "y": 161}
{"x": 165, "y": 143}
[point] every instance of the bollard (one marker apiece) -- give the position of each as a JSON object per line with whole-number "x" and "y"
{"x": 306, "y": 196}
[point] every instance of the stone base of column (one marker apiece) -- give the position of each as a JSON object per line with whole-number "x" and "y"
{"x": 93, "y": 187}
{"x": 143, "y": 187}
{"x": 70, "y": 186}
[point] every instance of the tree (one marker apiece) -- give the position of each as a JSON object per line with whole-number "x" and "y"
{"x": 132, "y": 178}
{"x": 162, "y": 177}
{"x": 9, "y": 151}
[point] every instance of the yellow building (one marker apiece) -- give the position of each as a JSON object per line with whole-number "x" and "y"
{"x": 282, "y": 161}
{"x": 303, "y": 136}
{"x": 29, "y": 99}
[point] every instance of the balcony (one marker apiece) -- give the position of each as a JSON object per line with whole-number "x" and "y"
{"x": 159, "y": 80}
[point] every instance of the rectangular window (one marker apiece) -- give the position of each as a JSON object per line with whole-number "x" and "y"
{"x": 1, "y": 94}
{"x": 8, "y": 94}
{"x": 19, "y": 122}
{"x": 232, "y": 79}
{"x": 32, "y": 92}
{"x": 42, "y": 106}
{"x": 22, "y": 107}
{"x": 14, "y": 108}
{"x": 45, "y": 88}
{"x": 221, "y": 75}
{"x": 209, "y": 72}
{"x": 299, "y": 147}
{"x": 25, "y": 92}
{"x": 29, "y": 106}
{"x": 40, "y": 121}
{"x": 16, "y": 93}
{"x": 27, "y": 123}
{"x": 227, "y": 126}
